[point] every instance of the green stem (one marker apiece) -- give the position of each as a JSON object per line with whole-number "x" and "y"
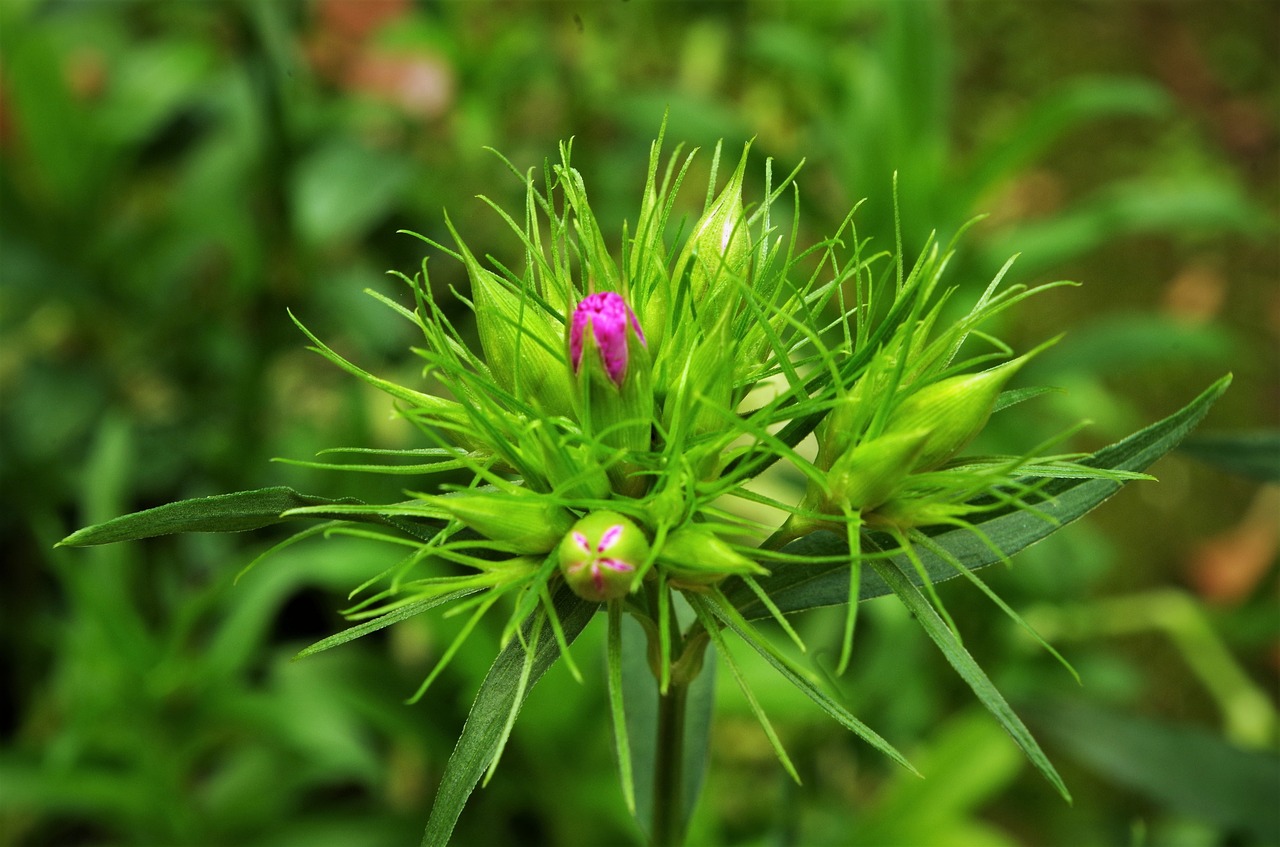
{"x": 668, "y": 775}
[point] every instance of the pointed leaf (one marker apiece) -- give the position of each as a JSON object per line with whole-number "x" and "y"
{"x": 394, "y": 616}
{"x": 964, "y": 664}
{"x": 494, "y": 702}
{"x": 724, "y": 612}
{"x": 238, "y": 512}
{"x": 243, "y": 510}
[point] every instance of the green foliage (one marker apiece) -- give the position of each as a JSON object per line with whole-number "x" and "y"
{"x": 173, "y": 176}
{"x": 877, "y": 376}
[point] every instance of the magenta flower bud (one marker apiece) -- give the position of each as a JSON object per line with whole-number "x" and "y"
{"x": 612, "y": 323}
{"x": 600, "y": 556}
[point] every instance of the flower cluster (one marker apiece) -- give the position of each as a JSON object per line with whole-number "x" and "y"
{"x": 613, "y": 420}
{"x": 607, "y": 449}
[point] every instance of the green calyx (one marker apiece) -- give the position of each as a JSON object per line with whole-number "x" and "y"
{"x": 521, "y": 523}
{"x": 718, "y": 255}
{"x": 522, "y": 344}
{"x": 951, "y": 411}
{"x": 695, "y": 557}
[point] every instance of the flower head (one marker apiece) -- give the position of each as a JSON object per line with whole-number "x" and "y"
{"x": 612, "y": 322}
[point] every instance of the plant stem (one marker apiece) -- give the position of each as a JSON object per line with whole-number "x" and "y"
{"x": 668, "y": 773}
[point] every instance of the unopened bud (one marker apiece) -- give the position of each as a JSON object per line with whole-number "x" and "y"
{"x": 610, "y": 328}
{"x": 909, "y": 513}
{"x": 521, "y": 343}
{"x": 868, "y": 474}
{"x": 613, "y": 380}
{"x": 524, "y": 523}
{"x": 719, "y": 249}
{"x": 601, "y": 555}
{"x": 953, "y": 411}
{"x": 695, "y": 556}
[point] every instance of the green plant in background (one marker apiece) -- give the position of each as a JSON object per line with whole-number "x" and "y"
{"x": 613, "y": 433}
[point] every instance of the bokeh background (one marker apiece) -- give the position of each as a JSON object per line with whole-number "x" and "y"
{"x": 175, "y": 175}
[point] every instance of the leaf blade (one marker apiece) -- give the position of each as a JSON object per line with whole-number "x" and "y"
{"x": 489, "y": 713}
{"x": 967, "y": 668}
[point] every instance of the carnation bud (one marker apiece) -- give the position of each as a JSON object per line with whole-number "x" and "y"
{"x": 522, "y": 522}
{"x": 695, "y": 556}
{"x": 719, "y": 249}
{"x": 606, "y": 319}
{"x": 613, "y": 379}
{"x": 909, "y": 513}
{"x": 521, "y": 343}
{"x": 702, "y": 386}
{"x": 868, "y": 474}
{"x": 601, "y": 555}
{"x": 952, "y": 410}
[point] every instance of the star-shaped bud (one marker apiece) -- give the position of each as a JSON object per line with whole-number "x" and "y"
{"x": 601, "y": 555}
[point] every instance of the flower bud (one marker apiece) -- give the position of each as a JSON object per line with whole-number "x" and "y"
{"x": 916, "y": 512}
{"x": 695, "y": 556}
{"x": 571, "y": 470}
{"x": 522, "y": 522}
{"x": 614, "y": 389}
{"x": 601, "y": 554}
{"x": 702, "y": 387}
{"x": 521, "y": 343}
{"x": 612, "y": 325}
{"x": 868, "y": 474}
{"x": 719, "y": 249}
{"x": 952, "y": 410}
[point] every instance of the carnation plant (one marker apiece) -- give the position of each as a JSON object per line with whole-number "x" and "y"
{"x": 613, "y": 425}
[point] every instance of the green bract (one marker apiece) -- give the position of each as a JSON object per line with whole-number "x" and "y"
{"x": 612, "y": 427}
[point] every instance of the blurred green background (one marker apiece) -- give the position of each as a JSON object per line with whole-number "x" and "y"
{"x": 174, "y": 175}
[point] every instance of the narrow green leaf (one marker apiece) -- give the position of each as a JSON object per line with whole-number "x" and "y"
{"x": 621, "y": 740}
{"x": 795, "y": 586}
{"x": 238, "y": 512}
{"x": 700, "y": 704}
{"x": 1015, "y": 396}
{"x": 494, "y": 702}
{"x": 964, "y": 664}
{"x": 395, "y": 616}
{"x": 640, "y": 697}
{"x": 706, "y": 616}
{"x": 726, "y": 613}
{"x": 522, "y": 687}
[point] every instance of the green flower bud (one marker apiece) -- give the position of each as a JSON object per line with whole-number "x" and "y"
{"x": 847, "y": 421}
{"x": 695, "y": 556}
{"x": 703, "y": 383}
{"x": 719, "y": 249}
{"x": 523, "y": 523}
{"x": 953, "y": 411}
{"x": 868, "y": 474}
{"x": 573, "y": 471}
{"x": 911, "y": 513}
{"x": 601, "y": 555}
{"x": 521, "y": 343}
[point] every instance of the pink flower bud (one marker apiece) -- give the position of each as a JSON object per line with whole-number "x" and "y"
{"x": 611, "y": 321}
{"x": 599, "y": 557}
